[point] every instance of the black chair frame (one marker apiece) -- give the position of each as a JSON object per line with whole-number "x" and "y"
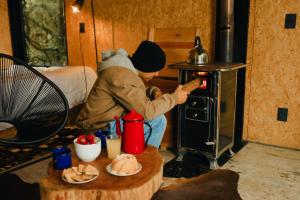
{"x": 30, "y": 102}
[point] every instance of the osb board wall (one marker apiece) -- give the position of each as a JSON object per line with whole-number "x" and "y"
{"x": 75, "y": 39}
{"x": 274, "y": 75}
{"x": 125, "y": 23}
{"x": 5, "y": 44}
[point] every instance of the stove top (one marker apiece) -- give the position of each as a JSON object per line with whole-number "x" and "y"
{"x": 209, "y": 67}
{"x": 16, "y": 157}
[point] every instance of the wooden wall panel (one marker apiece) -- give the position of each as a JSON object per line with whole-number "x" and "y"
{"x": 129, "y": 21}
{"x": 75, "y": 39}
{"x": 181, "y": 35}
{"x": 5, "y": 44}
{"x": 176, "y": 43}
{"x": 275, "y": 75}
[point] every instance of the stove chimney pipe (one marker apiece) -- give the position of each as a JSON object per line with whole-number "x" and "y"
{"x": 225, "y": 31}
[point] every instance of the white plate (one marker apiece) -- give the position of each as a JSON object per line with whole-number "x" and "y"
{"x": 81, "y": 182}
{"x": 112, "y": 172}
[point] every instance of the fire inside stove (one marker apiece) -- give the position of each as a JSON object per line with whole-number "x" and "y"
{"x": 203, "y": 77}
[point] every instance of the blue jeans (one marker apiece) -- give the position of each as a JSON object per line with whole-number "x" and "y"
{"x": 158, "y": 126}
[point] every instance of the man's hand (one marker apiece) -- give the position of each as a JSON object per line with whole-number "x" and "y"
{"x": 180, "y": 94}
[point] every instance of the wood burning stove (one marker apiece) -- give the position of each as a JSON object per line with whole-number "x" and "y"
{"x": 206, "y": 120}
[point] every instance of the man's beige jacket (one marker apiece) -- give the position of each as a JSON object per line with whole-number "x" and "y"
{"x": 117, "y": 90}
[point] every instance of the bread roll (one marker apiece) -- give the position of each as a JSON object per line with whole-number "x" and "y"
{"x": 124, "y": 164}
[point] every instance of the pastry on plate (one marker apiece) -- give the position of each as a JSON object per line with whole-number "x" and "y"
{"x": 124, "y": 164}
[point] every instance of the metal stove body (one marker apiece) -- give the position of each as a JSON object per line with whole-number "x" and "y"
{"x": 206, "y": 121}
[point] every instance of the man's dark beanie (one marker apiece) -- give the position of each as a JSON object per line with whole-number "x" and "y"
{"x": 148, "y": 57}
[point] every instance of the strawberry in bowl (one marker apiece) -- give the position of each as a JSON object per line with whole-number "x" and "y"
{"x": 82, "y": 140}
{"x": 87, "y": 147}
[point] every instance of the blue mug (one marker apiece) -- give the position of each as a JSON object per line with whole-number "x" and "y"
{"x": 62, "y": 158}
{"x": 102, "y": 135}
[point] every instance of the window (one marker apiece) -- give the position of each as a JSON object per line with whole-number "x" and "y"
{"x": 38, "y": 31}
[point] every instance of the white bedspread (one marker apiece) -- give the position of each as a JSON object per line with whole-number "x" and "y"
{"x": 71, "y": 80}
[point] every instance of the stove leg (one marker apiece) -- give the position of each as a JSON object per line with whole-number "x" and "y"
{"x": 231, "y": 153}
{"x": 180, "y": 156}
{"x": 213, "y": 164}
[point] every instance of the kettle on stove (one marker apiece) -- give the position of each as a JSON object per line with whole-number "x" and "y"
{"x": 198, "y": 56}
{"x": 133, "y": 141}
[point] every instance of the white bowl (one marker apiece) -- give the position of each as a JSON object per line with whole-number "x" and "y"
{"x": 88, "y": 152}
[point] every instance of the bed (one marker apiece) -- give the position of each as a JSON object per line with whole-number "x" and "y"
{"x": 74, "y": 81}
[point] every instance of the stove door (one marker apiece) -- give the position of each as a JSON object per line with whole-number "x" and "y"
{"x": 197, "y": 108}
{"x": 197, "y": 120}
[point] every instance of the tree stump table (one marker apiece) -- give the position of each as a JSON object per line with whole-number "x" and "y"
{"x": 139, "y": 186}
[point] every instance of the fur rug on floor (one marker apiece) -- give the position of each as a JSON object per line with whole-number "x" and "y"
{"x": 215, "y": 185}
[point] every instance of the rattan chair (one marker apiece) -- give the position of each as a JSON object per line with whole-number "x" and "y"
{"x": 30, "y": 102}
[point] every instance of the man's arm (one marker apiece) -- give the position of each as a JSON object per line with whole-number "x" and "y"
{"x": 129, "y": 90}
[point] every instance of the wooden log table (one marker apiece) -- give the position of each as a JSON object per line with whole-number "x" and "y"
{"x": 139, "y": 186}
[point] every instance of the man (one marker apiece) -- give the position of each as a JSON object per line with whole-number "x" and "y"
{"x": 120, "y": 87}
